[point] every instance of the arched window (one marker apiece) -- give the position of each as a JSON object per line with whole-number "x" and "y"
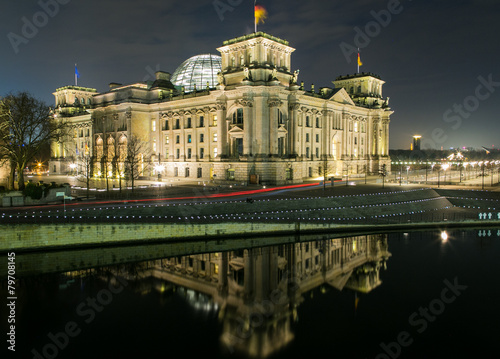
{"x": 242, "y": 60}
{"x": 233, "y": 62}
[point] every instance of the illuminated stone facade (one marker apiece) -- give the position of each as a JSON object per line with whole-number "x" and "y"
{"x": 257, "y": 125}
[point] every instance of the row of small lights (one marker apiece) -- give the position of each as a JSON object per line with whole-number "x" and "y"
{"x": 243, "y": 201}
{"x": 271, "y": 212}
{"x": 234, "y": 217}
{"x": 282, "y": 199}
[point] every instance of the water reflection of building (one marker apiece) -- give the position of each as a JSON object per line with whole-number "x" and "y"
{"x": 258, "y": 290}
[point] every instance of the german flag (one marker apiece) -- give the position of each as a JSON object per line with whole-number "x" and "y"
{"x": 260, "y": 13}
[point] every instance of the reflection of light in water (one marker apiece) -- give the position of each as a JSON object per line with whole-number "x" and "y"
{"x": 444, "y": 236}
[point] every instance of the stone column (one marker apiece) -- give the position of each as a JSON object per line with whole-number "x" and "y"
{"x": 375, "y": 143}
{"x": 222, "y": 149}
{"x": 273, "y": 104}
{"x": 247, "y": 104}
{"x": 182, "y": 134}
{"x": 325, "y": 134}
{"x": 292, "y": 129}
{"x": 386, "y": 137}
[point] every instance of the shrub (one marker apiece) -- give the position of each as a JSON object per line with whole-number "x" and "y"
{"x": 32, "y": 190}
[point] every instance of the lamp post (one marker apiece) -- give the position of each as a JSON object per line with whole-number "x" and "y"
{"x": 72, "y": 166}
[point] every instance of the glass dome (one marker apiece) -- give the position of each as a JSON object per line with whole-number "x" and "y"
{"x": 198, "y": 70}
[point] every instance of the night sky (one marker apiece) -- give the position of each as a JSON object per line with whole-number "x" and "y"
{"x": 440, "y": 59}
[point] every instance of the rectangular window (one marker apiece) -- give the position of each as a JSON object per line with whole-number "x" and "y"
{"x": 178, "y": 153}
{"x": 154, "y": 146}
{"x": 199, "y": 172}
{"x": 186, "y": 172}
{"x": 167, "y": 140}
{"x": 215, "y": 137}
{"x": 307, "y": 137}
{"x": 202, "y": 121}
{"x": 317, "y": 152}
{"x": 202, "y": 137}
{"x": 153, "y": 126}
{"x": 307, "y": 121}
{"x": 317, "y": 138}
{"x": 230, "y": 174}
{"x": 202, "y": 153}
{"x": 238, "y": 116}
{"x": 165, "y": 126}
{"x": 215, "y": 121}
{"x": 188, "y": 122}
{"x": 215, "y": 152}
{"x": 176, "y": 171}
{"x": 166, "y": 153}
{"x": 307, "y": 153}
{"x": 189, "y": 153}
{"x": 317, "y": 122}
{"x": 189, "y": 138}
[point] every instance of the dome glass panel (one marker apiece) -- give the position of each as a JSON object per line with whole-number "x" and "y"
{"x": 198, "y": 70}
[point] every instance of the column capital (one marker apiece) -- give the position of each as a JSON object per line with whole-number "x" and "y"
{"x": 221, "y": 106}
{"x": 274, "y": 102}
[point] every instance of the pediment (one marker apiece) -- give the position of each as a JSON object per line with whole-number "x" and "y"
{"x": 282, "y": 129}
{"x": 235, "y": 129}
{"x": 343, "y": 97}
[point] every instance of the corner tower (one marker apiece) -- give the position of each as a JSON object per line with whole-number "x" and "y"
{"x": 257, "y": 57}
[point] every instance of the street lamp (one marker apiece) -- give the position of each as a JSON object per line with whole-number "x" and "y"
{"x": 72, "y": 166}
{"x": 445, "y": 167}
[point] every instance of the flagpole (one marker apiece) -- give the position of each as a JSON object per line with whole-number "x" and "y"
{"x": 358, "y": 60}
{"x": 76, "y": 79}
{"x": 255, "y": 15}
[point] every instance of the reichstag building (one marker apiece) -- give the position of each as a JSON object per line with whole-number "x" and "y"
{"x": 243, "y": 116}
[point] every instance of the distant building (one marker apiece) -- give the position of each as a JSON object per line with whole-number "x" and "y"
{"x": 416, "y": 143}
{"x": 238, "y": 117}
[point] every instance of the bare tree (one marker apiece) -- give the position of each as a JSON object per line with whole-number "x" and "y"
{"x": 25, "y": 128}
{"x": 137, "y": 153}
{"x": 324, "y": 169}
{"x": 86, "y": 162}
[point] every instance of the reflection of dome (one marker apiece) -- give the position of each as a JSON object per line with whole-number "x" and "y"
{"x": 198, "y": 70}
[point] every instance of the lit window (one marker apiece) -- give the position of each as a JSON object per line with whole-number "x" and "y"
{"x": 215, "y": 121}
{"x": 167, "y": 140}
{"x": 189, "y": 138}
{"x": 215, "y": 137}
{"x": 153, "y": 126}
{"x": 356, "y": 126}
{"x": 215, "y": 152}
{"x": 154, "y": 146}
